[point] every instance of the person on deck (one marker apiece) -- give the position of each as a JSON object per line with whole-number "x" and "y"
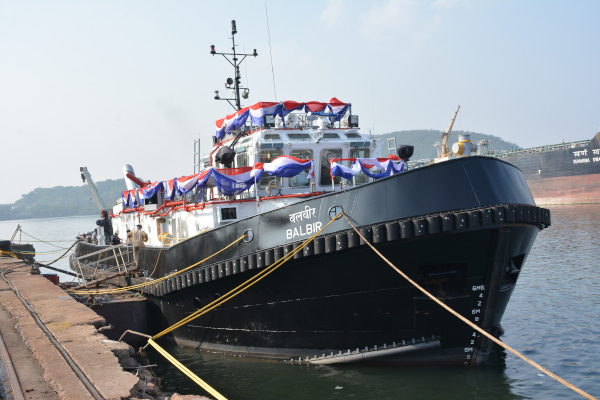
{"x": 115, "y": 239}
{"x": 95, "y": 236}
{"x": 88, "y": 238}
{"x": 138, "y": 237}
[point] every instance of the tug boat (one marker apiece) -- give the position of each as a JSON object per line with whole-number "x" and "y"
{"x": 461, "y": 228}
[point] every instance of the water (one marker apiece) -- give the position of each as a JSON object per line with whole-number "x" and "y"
{"x": 61, "y": 231}
{"x": 552, "y": 318}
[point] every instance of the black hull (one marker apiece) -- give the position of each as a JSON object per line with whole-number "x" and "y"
{"x": 462, "y": 229}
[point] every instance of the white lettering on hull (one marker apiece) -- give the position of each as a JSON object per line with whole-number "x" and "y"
{"x": 306, "y": 230}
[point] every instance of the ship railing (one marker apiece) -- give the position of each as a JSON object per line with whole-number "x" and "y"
{"x": 541, "y": 149}
{"x": 107, "y": 261}
{"x": 413, "y": 164}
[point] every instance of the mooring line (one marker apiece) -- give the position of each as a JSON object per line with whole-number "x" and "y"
{"x": 155, "y": 281}
{"x": 239, "y": 289}
{"x": 186, "y": 371}
{"x": 217, "y": 302}
{"x": 43, "y": 241}
{"x": 472, "y": 325}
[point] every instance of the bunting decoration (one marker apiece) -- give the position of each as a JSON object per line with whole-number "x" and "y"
{"x": 287, "y": 167}
{"x": 130, "y": 198}
{"x": 257, "y": 111}
{"x": 364, "y": 165}
{"x": 187, "y": 183}
{"x": 151, "y": 190}
{"x": 171, "y": 189}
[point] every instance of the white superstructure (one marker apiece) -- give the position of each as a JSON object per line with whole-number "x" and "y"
{"x": 204, "y": 208}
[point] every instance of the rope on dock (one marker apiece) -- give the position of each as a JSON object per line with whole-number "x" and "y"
{"x": 8, "y": 253}
{"x": 155, "y": 281}
{"x": 472, "y": 325}
{"x": 63, "y": 256}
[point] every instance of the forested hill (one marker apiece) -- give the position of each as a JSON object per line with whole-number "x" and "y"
{"x": 62, "y": 201}
{"x": 424, "y": 139}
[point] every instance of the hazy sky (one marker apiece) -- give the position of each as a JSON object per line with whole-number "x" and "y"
{"x": 105, "y": 83}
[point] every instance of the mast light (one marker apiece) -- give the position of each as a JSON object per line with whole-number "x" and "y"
{"x": 212, "y": 49}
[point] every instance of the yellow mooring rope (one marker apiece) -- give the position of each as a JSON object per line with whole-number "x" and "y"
{"x": 234, "y": 292}
{"x": 472, "y": 325}
{"x": 186, "y": 371}
{"x": 218, "y": 302}
{"x": 8, "y": 253}
{"x": 153, "y": 282}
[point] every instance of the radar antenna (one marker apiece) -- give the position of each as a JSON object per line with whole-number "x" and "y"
{"x": 445, "y": 135}
{"x": 235, "y": 62}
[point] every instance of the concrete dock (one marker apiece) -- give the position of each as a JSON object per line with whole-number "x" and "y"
{"x": 62, "y": 356}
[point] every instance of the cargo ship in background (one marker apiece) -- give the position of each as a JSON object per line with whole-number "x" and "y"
{"x": 563, "y": 173}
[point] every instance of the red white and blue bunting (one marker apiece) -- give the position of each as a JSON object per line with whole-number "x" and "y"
{"x": 287, "y": 167}
{"x": 130, "y": 198}
{"x": 258, "y": 110}
{"x": 364, "y": 165}
{"x": 171, "y": 189}
{"x": 151, "y": 190}
{"x": 232, "y": 181}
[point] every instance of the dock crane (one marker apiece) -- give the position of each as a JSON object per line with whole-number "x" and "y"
{"x": 104, "y": 225}
{"x": 445, "y": 135}
{"x": 85, "y": 176}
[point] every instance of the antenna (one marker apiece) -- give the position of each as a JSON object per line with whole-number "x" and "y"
{"x": 270, "y": 52}
{"x": 235, "y": 62}
{"x": 373, "y": 117}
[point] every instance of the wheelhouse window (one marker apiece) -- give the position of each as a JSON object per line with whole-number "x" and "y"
{"x": 360, "y": 153}
{"x": 266, "y": 156}
{"x": 302, "y": 179}
{"x": 241, "y": 159}
{"x": 273, "y": 136}
{"x": 353, "y": 136}
{"x": 298, "y": 136}
{"x": 331, "y": 136}
{"x": 326, "y": 156}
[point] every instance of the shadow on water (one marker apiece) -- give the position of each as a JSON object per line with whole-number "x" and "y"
{"x": 243, "y": 378}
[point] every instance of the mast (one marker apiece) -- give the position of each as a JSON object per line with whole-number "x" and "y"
{"x": 445, "y": 135}
{"x": 235, "y": 62}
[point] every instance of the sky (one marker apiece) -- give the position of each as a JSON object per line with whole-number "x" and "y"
{"x": 106, "y": 83}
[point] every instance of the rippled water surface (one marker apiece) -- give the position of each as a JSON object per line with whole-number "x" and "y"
{"x": 58, "y": 232}
{"x": 552, "y": 318}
